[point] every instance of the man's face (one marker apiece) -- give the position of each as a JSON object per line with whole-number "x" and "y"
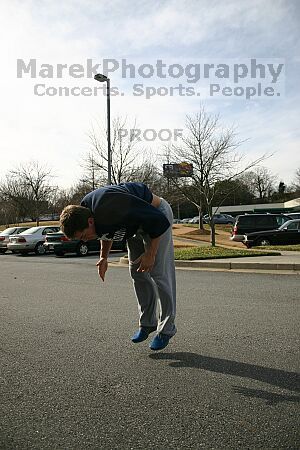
{"x": 88, "y": 233}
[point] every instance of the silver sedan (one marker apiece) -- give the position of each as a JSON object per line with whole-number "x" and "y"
{"x": 4, "y": 236}
{"x": 31, "y": 240}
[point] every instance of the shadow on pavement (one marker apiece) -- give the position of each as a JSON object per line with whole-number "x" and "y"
{"x": 271, "y": 398}
{"x": 276, "y": 377}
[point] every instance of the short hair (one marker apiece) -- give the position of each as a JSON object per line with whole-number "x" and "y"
{"x": 74, "y": 218}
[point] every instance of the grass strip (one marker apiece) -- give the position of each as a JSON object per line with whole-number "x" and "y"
{"x": 217, "y": 252}
{"x": 287, "y": 248}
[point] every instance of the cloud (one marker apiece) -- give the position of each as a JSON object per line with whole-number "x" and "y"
{"x": 53, "y": 129}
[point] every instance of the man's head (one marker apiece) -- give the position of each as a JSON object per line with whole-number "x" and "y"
{"x": 77, "y": 223}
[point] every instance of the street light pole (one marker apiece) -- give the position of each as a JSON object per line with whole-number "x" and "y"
{"x": 108, "y": 133}
{"x": 102, "y": 78}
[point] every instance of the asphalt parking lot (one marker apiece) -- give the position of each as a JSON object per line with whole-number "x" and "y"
{"x": 72, "y": 379}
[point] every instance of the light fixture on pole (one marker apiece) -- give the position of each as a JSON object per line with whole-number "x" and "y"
{"x": 102, "y": 78}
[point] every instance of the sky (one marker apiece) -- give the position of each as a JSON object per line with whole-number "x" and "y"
{"x": 166, "y": 43}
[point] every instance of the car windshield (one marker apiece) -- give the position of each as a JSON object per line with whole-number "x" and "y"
{"x": 20, "y": 230}
{"x": 7, "y": 231}
{"x": 281, "y": 220}
{"x": 31, "y": 230}
{"x": 290, "y": 225}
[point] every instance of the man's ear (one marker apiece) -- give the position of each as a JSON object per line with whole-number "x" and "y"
{"x": 91, "y": 221}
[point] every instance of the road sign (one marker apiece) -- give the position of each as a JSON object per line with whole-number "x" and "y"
{"x": 175, "y": 170}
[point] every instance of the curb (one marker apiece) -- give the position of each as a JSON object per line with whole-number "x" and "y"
{"x": 201, "y": 264}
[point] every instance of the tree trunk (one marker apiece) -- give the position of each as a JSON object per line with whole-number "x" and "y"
{"x": 201, "y": 227}
{"x": 212, "y": 226}
{"x": 213, "y": 234}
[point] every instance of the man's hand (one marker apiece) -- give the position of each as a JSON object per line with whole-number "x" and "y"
{"x": 102, "y": 263}
{"x": 102, "y": 267}
{"x": 147, "y": 259}
{"x": 146, "y": 262}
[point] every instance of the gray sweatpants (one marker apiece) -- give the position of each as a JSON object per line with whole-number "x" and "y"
{"x": 160, "y": 283}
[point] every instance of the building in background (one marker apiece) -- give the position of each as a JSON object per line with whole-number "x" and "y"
{"x": 292, "y": 206}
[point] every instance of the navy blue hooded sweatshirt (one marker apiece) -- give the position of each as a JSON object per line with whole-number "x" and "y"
{"x": 120, "y": 210}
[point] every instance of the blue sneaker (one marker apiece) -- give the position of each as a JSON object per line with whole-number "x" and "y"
{"x": 142, "y": 334}
{"x": 160, "y": 341}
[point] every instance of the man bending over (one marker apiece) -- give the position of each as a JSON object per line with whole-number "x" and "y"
{"x": 130, "y": 210}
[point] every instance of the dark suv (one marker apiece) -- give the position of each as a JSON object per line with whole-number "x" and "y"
{"x": 249, "y": 223}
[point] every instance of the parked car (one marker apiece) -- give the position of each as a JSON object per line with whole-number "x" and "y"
{"x": 31, "y": 240}
{"x": 220, "y": 219}
{"x": 194, "y": 220}
{"x": 60, "y": 244}
{"x": 288, "y": 233}
{"x": 250, "y": 223}
{"x": 231, "y": 218}
{"x": 186, "y": 220}
{"x": 4, "y": 236}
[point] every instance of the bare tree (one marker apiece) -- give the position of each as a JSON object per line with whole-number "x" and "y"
{"x": 15, "y": 199}
{"x": 212, "y": 151}
{"x": 9, "y": 212}
{"x": 28, "y": 188}
{"x": 296, "y": 182}
{"x": 262, "y": 181}
{"x": 124, "y": 153}
{"x": 92, "y": 174}
{"x": 196, "y": 149}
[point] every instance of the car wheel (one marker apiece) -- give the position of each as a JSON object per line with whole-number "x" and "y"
{"x": 264, "y": 242}
{"x": 2, "y": 251}
{"x": 39, "y": 249}
{"x": 82, "y": 249}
